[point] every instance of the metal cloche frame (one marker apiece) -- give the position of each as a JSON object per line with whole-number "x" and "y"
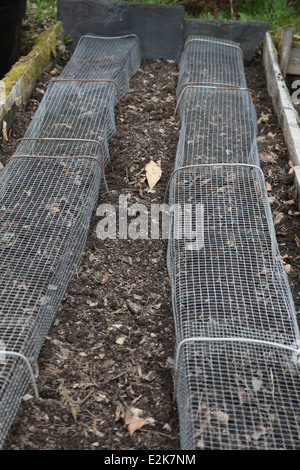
{"x": 48, "y": 191}
{"x": 237, "y": 337}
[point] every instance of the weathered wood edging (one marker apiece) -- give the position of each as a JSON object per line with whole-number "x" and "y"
{"x": 18, "y": 84}
{"x": 288, "y": 117}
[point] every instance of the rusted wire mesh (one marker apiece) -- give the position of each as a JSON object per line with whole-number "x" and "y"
{"x": 237, "y": 337}
{"x": 48, "y": 191}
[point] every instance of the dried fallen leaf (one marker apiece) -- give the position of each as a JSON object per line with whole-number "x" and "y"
{"x": 264, "y": 270}
{"x": 62, "y": 124}
{"x": 137, "y": 297}
{"x": 68, "y": 401}
{"x": 290, "y": 202}
{"x": 52, "y": 208}
{"x": 4, "y": 131}
{"x": 119, "y": 413}
{"x": 105, "y": 278}
{"x": 36, "y": 370}
{"x": 95, "y": 425}
{"x": 134, "y": 308}
{"x": 242, "y": 395}
{"x": 205, "y": 422}
{"x": 120, "y": 340}
{"x": 267, "y": 157}
{"x": 268, "y": 186}
{"x": 256, "y": 384}
{"x": 222, "y": 417}
{"x": 153, "y": 173}
{"x": 258, "y": 433}
{"x": 22, "y": 286}
{"x": 257, "y": 187}
{"x": 287, "y": 268}
{"x": 278, "y": 218}
{"x": 133, "y": 421}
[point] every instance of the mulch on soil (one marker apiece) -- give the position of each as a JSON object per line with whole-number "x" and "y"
{"x": 104, "y": 365}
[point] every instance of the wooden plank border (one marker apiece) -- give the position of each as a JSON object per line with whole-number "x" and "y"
{"x": 288, "y": 117}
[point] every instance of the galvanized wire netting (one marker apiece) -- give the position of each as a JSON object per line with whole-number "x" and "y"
{"x": 212, "y": 62}
{"x": 238, "y": 395}
{"x": 218, "y": 126}
{"x": 107, "y": 58}
{"x": 48, "y": 191}
{"x": 237, "y": 338}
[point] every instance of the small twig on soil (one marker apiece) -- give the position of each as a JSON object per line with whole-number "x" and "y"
{"x": 114, "y": 378}
{"x": 85, "y": 398}
{"x": 159, "y": 433}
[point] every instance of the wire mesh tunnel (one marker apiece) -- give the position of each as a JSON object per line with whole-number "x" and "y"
{"x": 204, "y": 111}
{"x": 210, "y": 61}
{"x": 237, "y": 337}
{"x": 48, "y": 191}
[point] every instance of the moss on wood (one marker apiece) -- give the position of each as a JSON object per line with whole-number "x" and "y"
{"x": 29, "y": 67}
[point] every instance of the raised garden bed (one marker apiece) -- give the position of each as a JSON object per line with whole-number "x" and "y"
{"x": 108, "y": 358}
{"x": 102, "y": 359}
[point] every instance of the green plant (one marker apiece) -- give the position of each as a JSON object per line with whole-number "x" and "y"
{"x": 41, "y": 9}
{"x": 67, "y": 39}
{"x": 276, "y": 12}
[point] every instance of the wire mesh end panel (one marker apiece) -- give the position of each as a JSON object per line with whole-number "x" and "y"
{"x": 238, "y": 395}
{"x": 48, "y": 191}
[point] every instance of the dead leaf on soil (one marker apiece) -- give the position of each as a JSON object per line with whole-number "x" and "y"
{"x": 258, "y": 433}
{"x": 287, "y": 268}
{"x": 134, "y": 308}
{"x": 68, "y": 401}
{"x": 291, "y": 165}
{"x": 52, "y": 208}
{"x": 119, "y": 413}
{"x": 83, "y": 385}
{"x": 268, "y": 186}
{"x": 153, "y": 173}
{"x": 120, "y": 340}
{"x": 264, "y": 270}
{"x": 257, "y": 187}
{"x": 105, "y": 278}
{"x": 4, "y": 131}
{"x": 290, "y": 202}
{"x": 267, "y": 157}
{"x": 133, "y": 420}
{"x": 222, "y": 417}
{"x": 62, "y": 124}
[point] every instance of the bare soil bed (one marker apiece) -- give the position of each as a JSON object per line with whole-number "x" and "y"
{"x": 104, "y": 363}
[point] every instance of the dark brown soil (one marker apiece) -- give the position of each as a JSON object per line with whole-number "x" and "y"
{"x": 106, "y": 359}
